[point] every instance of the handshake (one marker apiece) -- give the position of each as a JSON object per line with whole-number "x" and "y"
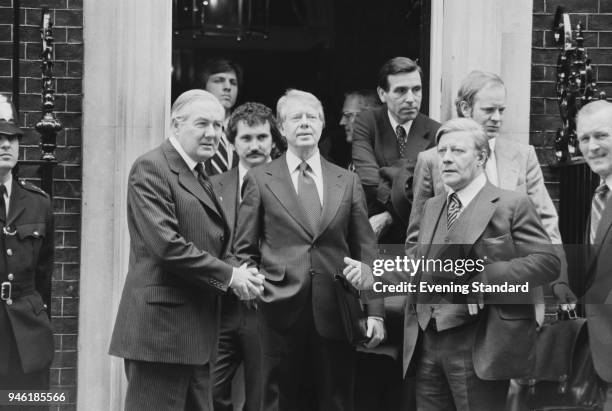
{"x": 247, "y": 283}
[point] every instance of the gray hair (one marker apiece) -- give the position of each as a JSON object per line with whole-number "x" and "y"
{"x": 472, "y": 84}
{"x": 481, "y": 141}
{"x": 179, "y": 107}
{"x": 296, "y": 94}
{"x": 593, "y": 108}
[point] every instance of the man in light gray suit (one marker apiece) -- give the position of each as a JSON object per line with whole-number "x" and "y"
{"x": 166, "y": 326}
{"x": 512, "y": 166}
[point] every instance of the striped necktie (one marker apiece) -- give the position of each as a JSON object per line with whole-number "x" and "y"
{"x": 454, "y": 209}
{"x": 599, "y": 202}
{"x": 221, "y": 161}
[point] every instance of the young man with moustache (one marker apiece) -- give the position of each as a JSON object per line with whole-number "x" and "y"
{"x": 465, "y": 350}
{"x": 386, "y": 140}
{"x": 594, "y": 130}
{"x": 26, "y": 266}
{"x": 222, "y": 78}
{"x": 303, "y": 220}
{"x": 252, "y": 131}
{"x": 512, "y": 166}
{"x": 167, "y": 322}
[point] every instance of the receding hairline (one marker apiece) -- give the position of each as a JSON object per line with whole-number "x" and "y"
{"x": 595, "y": 108}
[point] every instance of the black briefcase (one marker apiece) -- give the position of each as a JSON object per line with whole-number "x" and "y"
{"x": 354, "y": 318}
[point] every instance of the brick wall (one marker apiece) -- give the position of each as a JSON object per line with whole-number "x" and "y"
{"x": 68, "y": 70}
{"x": 596, "y": 19}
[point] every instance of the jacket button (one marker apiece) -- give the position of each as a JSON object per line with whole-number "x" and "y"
{"x": 36, "y": 233}
{"x": 9, "y": 252}
{"x": 11, "y": 277}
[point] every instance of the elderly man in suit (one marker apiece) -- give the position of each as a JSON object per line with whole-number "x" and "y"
{"x": 512, "y": 166}
{"x": 467, "y": 351}
{"x": 167, "y": 321}
{"x": 253, "y": 132}
{"x": 387, "y": 138}
{"x": 301, "y": 220}
{"x": 594, "y": 130}
{"x": 26, "y": 265}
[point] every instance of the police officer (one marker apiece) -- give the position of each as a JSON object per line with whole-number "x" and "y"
{"x": 26, "y": 263}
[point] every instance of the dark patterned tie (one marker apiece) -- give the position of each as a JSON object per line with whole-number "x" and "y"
{"x": 2, "y": 203}
{"x": 599, "y": 202}
{"x": 454, "y": 208}
{"x": 308, "y": 195}
{"x": 205, "y": 183}
{"x": 402, "y": 140}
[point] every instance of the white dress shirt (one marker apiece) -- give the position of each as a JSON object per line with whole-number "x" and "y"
{"x": 491, "y": 166}
{"x": 7, "y": 196}
{"x": 190, "y": 162}
{"x": 469, "y": 192}
{"x": 394, "y": 124}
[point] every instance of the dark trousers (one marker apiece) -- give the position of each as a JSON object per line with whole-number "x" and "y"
{"x": 303, "y": 371}
{"x": 378, "y": 383}
{"x": 12, "y": 377}
{"x": 445, "y": 375}
{"x": 608, "y": 403}
{"x": 238, "y": 343}
{"x": 167, "y": 387}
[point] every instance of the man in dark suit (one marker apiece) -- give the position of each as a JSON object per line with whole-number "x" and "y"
{"x": 222, "y": 78}
{"x": 252, "y": 131}
{"x": 467, "y": 351}
{"x": 594, "y": 130}
{"x": 388, "y": 139}
{"x": 26, "y": 265}
{"x": 300, "y": 220}
{"x": 511, "y": 166}
{"x": 166, "y": 325}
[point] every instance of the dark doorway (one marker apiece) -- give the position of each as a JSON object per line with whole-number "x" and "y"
{"x": 327, "y": 47}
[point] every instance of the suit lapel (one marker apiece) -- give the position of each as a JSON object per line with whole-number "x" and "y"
{"x": 433, "y": 212}
{"x": 467, "y": 230}
{"x": 387, "y": 139}
{"x": 226, "y": 188}
{"x": 17, "y": 203}
{"x": 333, "y": 192}
{"x": 507, "y": 167}
{"x": 281, "y": 186}
{"x": 417, "y": 134}
{"x": 187, "y": 180}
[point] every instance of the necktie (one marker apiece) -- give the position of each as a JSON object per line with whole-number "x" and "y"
{"x": 402, "y": 140}
{"x": 454, "y": 208}
{"x": 220, "y": 161}
{"x": 205, "y": 183}
{"x": 599, "y": 201}
{"x": 2, "y": 203}
{"x": 308, "y": 195}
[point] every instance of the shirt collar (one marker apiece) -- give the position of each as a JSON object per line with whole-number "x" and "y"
{"x": 314, "y": 162}
{"x": 467, "y": 193}
{"x": 188, "y": 160}
{"x": 492, "y": 144}
{"x": 242, "y": 170}
{"x": 608, "y": 181}
{"x": 9, "y": 186}
{"x": 394, "y": 123}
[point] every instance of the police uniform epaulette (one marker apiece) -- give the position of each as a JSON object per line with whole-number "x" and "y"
{"x": 31, "y": 187}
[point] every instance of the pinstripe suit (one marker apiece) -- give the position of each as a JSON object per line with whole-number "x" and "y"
{"x": 168, "y": 312}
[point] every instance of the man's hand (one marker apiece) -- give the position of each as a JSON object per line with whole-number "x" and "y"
{"x": 380, "y": 222}
{"x": 247, "y": 283}
{"x": 375, "y": 331}
{"x": 564, "y": 294}
{"x": 358, "y": 274}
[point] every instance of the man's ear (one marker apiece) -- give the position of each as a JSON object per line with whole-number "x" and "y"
{"x": 381, "y": 94}
{"x": 465, "y": 108}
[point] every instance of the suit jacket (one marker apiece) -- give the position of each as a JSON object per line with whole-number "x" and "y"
{"x": 169, "y": 307}
{"x": 598, "y": 297}
{"x": 504, "y": 227}
{"x": 274, "y": 233}
{"x": 29, "y": 237}
{"x": 375, "y": 147}
{"x": 226, "y": 187}
{"x": 517, "y": 169}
